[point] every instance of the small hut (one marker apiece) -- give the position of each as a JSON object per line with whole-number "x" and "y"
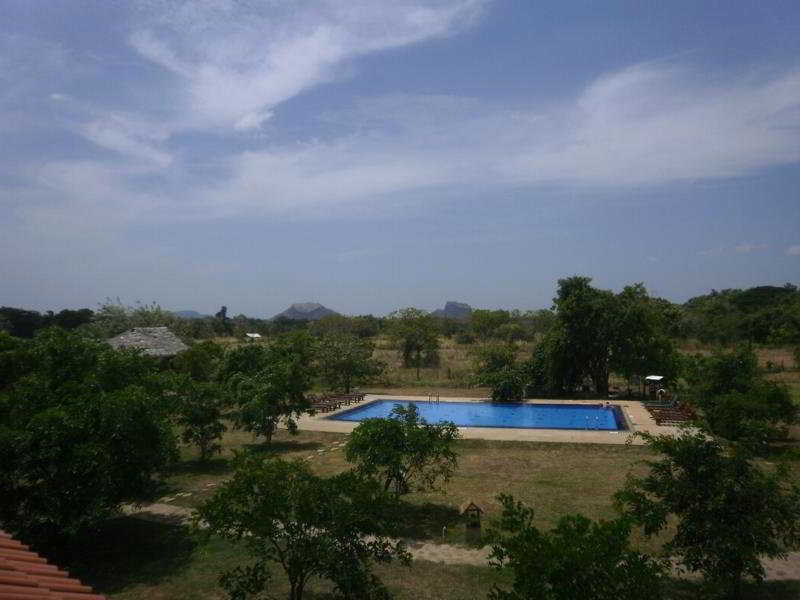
{"x": 471, "y": 513}
{"x": 153, "y": 341}
{"x": 252, "y": 337}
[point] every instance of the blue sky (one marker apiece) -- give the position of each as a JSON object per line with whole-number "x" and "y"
{"x": 373, "y": 155}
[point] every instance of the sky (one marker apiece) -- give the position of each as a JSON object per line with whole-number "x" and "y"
{"x": 373, "y": 155}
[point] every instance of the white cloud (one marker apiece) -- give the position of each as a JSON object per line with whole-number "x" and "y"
{"x": 130, "y": 136}
{"x": 793, "y": 251}
{"x": 747, "y": 248}
{"x": 642, "y": 126}
{"x": 656, "y": 123}
{"x": 718, "y": 251}
{"x": 238, "y": 61}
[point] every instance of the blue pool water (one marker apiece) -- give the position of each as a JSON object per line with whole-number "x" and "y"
{"x": 486, "y": 414}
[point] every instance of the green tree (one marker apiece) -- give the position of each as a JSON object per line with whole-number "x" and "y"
{"x": 201, "y": 413}
{"x": 201, "y": 362}
{"x": 333, "y": 528}
{"x": 272, "y": 385}
{"x": 587, "y": 320}
{"x": 639, "y": 343}
{"x": 13, "y": 360}
{"x": 485, "y": 323}
{"x": 20, "y": 322}
{"x": 578, "y": 560}
{"x": 729, "y": 512}
{"x": 496, "y": 366}
{"x": 82, "y": 429}
{"x": 416, "y": 332}
{"x": 345, "y": 359}
{"x": 736, "y": 401}
{"x": 404, "y": 451}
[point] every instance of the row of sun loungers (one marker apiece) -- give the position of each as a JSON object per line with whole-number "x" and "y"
{"x": 671, "y": 416}
{"x": 328, "y": 403}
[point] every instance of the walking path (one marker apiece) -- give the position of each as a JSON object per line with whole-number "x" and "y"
{"x": 444, "y": 553}
{"x": 165, "y": 512}
{"x": 176, "y": 515}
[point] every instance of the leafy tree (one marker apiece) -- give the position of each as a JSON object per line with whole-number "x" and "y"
{"x": 538, "y": 321}
{"x": 578, "y": 560}
{"x": 496, "y": 366}
{"x": 729, "y": 512}
{"x": 13, "y": 360}
{"x": 82, "y": 429}
{"x": 752, "y": 418}
{"x": 222, "y": 318}
{"x": 20, "y": 322}
{"x": 313, "y": 527}
{"x": 71, "y": 319}
{"x": 415, "y": 330}
{"x": 485, "y": 323}
{"x": 639, "y": 342}
{"x": 735, "y": 399}
{"x": 587, "y": 322}
{"x": 346, "y": 359}
{"x": 551, "y": 368}
{"x": 404, "y": 450}
{"x": 201, "y": 412}
{"x": 763, "y": 314}
{"x": 723, "y": 372}
{"x": 201, "y": 362}
{"x": 490, "y": 358}
{"x": 272, "y": 386}
{"x": 243, "y": 360}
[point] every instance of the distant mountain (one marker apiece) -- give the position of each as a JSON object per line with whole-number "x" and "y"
{"x": 458, "y": 311}
{"x": 305, "y": 311}
{"x": 188, "y": 314}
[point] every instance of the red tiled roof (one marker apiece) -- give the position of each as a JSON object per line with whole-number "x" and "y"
{"x": 24, "y": 575}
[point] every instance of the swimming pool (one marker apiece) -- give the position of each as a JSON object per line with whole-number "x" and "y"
{"x": 597, "y": 417}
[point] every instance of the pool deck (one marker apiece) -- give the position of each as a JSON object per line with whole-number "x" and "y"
{"x": 636, "y": 416}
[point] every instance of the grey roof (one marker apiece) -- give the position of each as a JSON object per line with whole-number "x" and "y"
{"x": 155, "y": 341}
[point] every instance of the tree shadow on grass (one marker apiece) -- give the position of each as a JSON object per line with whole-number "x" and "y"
{"x": 128, "y": 551}
{"x": 282, "y": 447}
{"x": 213, "y": 466}
{"x": 425, "y": 521}
{"x": 695, "y": 589}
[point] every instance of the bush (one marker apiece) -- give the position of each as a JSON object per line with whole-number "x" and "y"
{"x": 578, "y": 560}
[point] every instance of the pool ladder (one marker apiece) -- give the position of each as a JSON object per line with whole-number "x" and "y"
{"x": 433, "y": 397}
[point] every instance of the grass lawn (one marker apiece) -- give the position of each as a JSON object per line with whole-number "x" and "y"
{"x": 556, "y": 479}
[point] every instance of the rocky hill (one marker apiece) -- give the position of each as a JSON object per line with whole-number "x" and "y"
{"x": 305, "y": 311}
{"x": 458, "y": 311}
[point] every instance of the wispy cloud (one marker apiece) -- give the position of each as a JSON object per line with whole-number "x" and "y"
{"x": 642, "y": 126}
{"x": 793, "y": 250}
{"x": 238, "y": 62}
{"x": 227, "y": 69}
{"x": 718, "y": 251}
{"x": 747, "y": 248}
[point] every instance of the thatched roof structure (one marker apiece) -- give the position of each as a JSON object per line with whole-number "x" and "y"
{"x": 155, "y": 341}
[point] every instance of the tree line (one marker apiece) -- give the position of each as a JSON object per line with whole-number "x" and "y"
{"x": 84, "y": 428}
